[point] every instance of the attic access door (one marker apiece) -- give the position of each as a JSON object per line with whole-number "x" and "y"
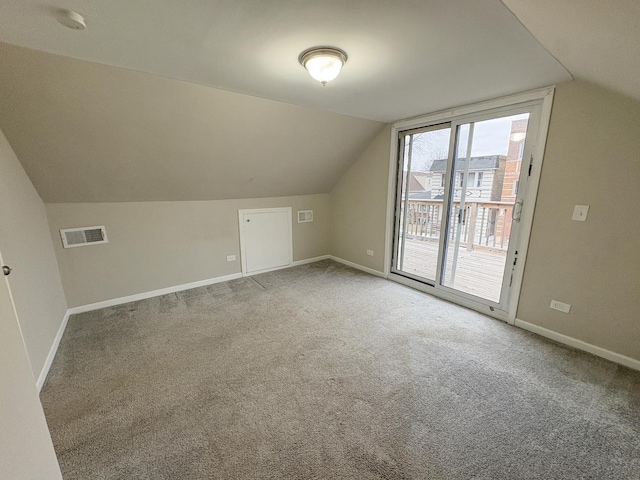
{"x": 459, "y": 200}
{"x": 265, "y": 239}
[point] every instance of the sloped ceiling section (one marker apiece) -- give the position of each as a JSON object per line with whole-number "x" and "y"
{"x": 595, "y": 40}
{"x": 406, "y": 57}
{"x": 87, "y": 132}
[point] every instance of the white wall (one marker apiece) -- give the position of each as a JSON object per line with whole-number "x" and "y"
{"x": 155, "y": 245}
{"x": 25, "y": 243}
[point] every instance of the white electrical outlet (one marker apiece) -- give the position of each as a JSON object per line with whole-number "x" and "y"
{"x": 580, "y": 213}
{"x": 370, "y": 253}
{"x": 561, "y": 307}
{"x": 231, "y": 258}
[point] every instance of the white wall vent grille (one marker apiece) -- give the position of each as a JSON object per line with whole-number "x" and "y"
{"x": 79, "y": 237}
{"x": 305, "y": 216}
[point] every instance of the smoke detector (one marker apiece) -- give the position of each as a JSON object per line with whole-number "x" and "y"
{"x": 71, "y": 19}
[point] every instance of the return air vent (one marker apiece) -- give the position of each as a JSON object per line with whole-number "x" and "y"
{"x": 79, "y": 237}
{"x": 305, "y": 216}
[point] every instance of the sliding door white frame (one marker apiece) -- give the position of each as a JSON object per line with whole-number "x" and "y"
{"x": 545, "y": 97}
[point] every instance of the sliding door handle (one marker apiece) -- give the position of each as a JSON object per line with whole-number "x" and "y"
{"x": 516, "y": 214}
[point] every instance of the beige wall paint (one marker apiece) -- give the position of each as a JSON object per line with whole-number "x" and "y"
{"x": 359, "y": 206}
{"x": 26, "y": 449}
{"x": 154, "y": 245}
{"x": 26, "y": 246}
{"x": 592, "y": 158}
{"x": 86, "y": 132}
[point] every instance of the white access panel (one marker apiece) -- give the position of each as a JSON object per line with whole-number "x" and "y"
{"x": 265, "y": 239}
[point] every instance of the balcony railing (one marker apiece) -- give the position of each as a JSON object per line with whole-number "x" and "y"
{"x": 483, "y": 225}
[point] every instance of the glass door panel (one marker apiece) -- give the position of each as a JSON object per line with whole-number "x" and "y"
{"x": 460, "y": 189}
{"x": 419, "y": 208}
{"x": 485, "y": 179}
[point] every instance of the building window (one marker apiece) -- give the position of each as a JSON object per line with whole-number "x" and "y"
{"x": 521, "y": 150}
{"x": 516, "y": 184}
{"x": 442, "y": 180}
{"x": 474, "y": 180}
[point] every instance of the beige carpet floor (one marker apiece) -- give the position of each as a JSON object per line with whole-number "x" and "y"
{"x": 324, "y": 372}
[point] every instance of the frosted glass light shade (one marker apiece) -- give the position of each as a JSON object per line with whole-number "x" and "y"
{"x": 323, "y": 64}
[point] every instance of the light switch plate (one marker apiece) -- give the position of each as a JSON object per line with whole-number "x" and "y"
{"x": 580, "y": 213}
{"x": 370, "y": 253}
{"x": 231, "y": 258}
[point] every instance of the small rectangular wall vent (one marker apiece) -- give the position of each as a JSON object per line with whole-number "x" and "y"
{"x": 79, "y": 237}
{"x": 305, "y": 216}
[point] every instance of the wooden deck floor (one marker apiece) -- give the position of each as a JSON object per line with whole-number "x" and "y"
{"x": 479, "y": 273}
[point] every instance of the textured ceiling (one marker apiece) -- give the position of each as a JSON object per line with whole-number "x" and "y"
{"x": 86, "y": 132}
{"x": 597, "y": 41}
{"x": 124, "y": 111}
{"x": 406, "y": 57}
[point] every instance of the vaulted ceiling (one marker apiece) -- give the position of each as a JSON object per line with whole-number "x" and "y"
{"x": 597, "y": 41}
{"x": 406, "y": 57}
{"x": 87, "y": 132}
{"x": 141, "y": 105}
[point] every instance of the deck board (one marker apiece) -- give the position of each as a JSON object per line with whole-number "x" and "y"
{"x": 479, "y": 272}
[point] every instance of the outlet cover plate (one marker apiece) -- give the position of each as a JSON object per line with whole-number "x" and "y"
{"x": 231, "y": 258}
{"x": 560, "y": 306}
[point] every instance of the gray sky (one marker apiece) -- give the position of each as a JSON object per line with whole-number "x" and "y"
{"x": 491, "y": 137}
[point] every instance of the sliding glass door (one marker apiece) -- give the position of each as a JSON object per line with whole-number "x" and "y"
{"x": 459, "y": 199}
{"x": 419, "y": 215}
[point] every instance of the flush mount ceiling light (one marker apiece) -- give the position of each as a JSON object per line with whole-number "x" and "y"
{"x": 323, "y": 63}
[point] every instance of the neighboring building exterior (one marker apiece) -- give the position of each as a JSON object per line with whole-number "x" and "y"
{"x": 491, "y": 187}
{"x": 514, "y": 160}
{"x": 512, "y": 170}
{"x": 485, "y": 182}
{"x": 419, "y": 185}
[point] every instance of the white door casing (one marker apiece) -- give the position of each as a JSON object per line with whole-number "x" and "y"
{"x": 543, "y": 98}
{"x": 26, "y": 448}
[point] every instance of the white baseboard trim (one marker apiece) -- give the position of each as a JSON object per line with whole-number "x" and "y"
{"x": 579, "y": 344}
{"x": 52, "y": 352}
{"x": 118, "y": 301}
{"x": 187, "y": 286}
{"x": 310, "y": 260}
{"x": 152, "y": 293}
{"x": 292, "y": 264}
{"x": 133, "y": 298}
{"x": 377, "y": 273}
{"x": 163, "y": 291}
